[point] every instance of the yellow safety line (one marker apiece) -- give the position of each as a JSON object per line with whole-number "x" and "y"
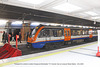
{"x": 23, "y": 60}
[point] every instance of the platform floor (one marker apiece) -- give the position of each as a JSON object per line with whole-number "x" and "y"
{"x": 77, "y": 56}
{"x": 14, "y": 43}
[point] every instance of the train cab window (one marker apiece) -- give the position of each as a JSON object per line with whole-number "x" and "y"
{"x": 41, "y": 34}
{"x": 33, "y": 32}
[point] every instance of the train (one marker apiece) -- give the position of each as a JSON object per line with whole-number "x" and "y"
{"x": 44, "y": 36}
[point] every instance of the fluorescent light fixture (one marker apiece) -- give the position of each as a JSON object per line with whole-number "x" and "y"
{"x": 35, "y": 23}
{"x": 54, "y": 24}
{"x": 91, "y": 27}
{"x": 87, "y": 27}
{"x": 80, "y": 26}
{"x": 33, "y": 1}
{"x": 84, "y": 26}
{"x": 16, "y": 23}
{"x": 95, "y": 17}
{"x": 67, "y": 7}
{"x": 3, "y": 22}
{"x": 46, "y": 24}
{"x": 91, "y": 13}
{"x": 74, "y": 26}
{"x": 94, "y": 27}
{"x": 63, "y": 25}
{"x": 68, "y": 25}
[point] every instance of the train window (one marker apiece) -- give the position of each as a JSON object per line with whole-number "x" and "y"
{"x": 54, "y": 32}
{"x": 81, "y": 32}
{"x": 94, "y": 32}
{"x": 44, "y": 33}
{"x": 59, "y": 33}
{"x": 68, "y": 33}
{"x": 47, "y": 32}
{"x": 51, "y": 32}
{"x": 73, "y": 32}
{"x": 78, "y": 32}
{"x": 85, "y": 32}
{"x": 90, "y": 32}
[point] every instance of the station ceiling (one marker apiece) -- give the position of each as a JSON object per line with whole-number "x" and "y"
{"x": 19, "y": 12}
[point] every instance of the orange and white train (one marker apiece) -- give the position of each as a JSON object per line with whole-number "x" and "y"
{"x": 47, "y": 36}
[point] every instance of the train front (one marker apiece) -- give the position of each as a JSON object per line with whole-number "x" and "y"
{"x": 31, "y": 41}
{"x": 31, "y": 37}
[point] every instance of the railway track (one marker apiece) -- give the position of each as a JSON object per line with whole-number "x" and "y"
{"x": 26, "y": 51}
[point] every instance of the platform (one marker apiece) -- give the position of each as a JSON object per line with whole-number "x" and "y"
{"x": 14, "y": 43}
{"x": 77, "y": 56}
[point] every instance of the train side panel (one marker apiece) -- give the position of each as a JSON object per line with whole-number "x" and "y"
{"x": 40, "y": 42}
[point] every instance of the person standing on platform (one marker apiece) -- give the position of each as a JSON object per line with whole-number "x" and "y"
{"x": 20, "y": 37}
{"x": 6, "y": 37}
{"x": 3, "y": 37}
{"x": 13, "y": 37}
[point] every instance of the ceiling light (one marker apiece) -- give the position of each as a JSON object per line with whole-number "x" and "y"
{"x": 16, "y": 22}
{"x": 33, "y": 1}
{"x": 91, "y": 13}
{"x": 3, "y": 22}
{"x": 35, "y": 23}
{"x": 67, "y": 7}
{"x": 80, "y": 26}
{"x": 54, "y": 24}
{"x": 95, "y": 17}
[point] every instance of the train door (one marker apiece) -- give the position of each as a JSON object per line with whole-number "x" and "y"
{"x": 90, "y": 33}
{"x": 67, "y": 34}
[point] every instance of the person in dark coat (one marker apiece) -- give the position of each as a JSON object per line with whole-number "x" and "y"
{"x": 3, "y": 37}
{"x": 20, "y": 37}
{"x": 6, "y": 37}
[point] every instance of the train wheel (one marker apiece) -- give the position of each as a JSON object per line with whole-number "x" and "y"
{"x": 65, "y": 43}
{"x": 29, "y": 46}
{"x": 71, "y": 42}
{"x": 47, "y": 46}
